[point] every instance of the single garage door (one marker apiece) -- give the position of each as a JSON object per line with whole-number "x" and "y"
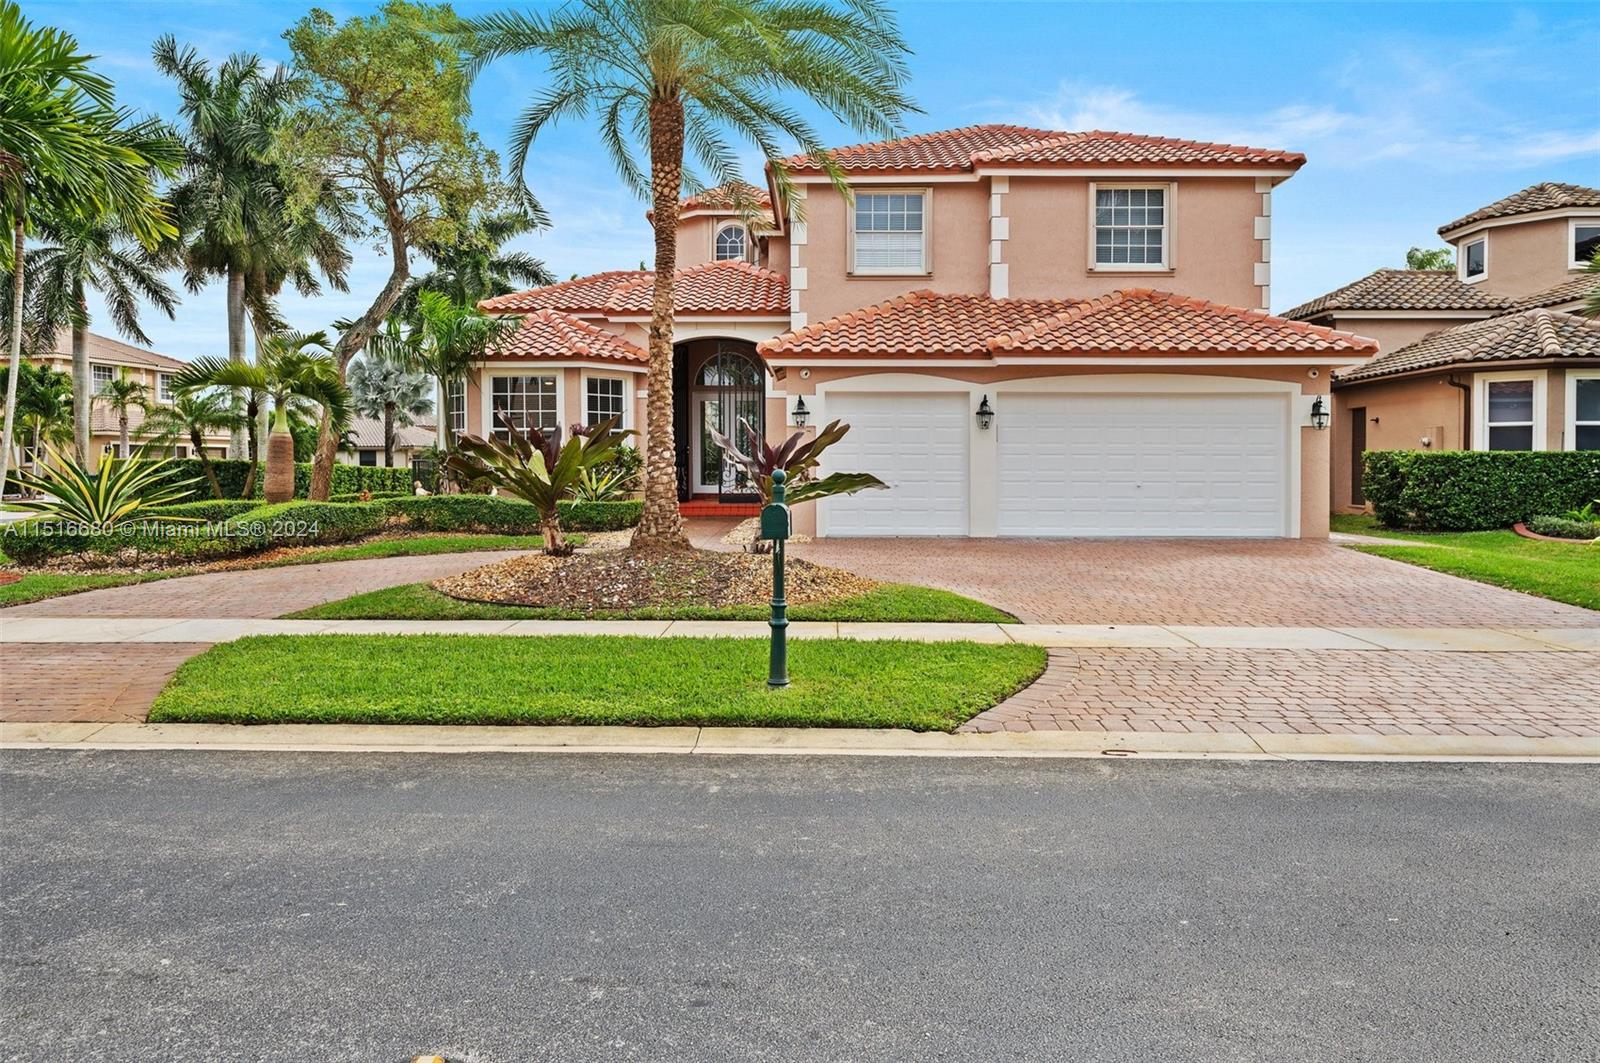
{"x": 1150, "y": 465}
{"x": 915, "y": 443}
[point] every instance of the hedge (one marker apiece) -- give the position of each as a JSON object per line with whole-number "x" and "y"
{"x": 347, "y": 479}
{"x": 372, "y": 496}
{"x": 1467, "y": 490}
{"x": 211, "y": 509}
{"x": 600, "y": 516}
{"x": 510, "y": 516}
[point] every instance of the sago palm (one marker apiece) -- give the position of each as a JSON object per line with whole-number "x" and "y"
{"x": 680, "y": 74}
{"x": 123, "y": 395}
{"x": 192, "y": 416}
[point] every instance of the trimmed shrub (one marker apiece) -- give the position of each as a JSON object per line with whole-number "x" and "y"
{"x": 1563, "y": 528}
{"x": 600, "y": 516}
{"x": 302, "y": 523}
{"x": 466, "y": 512}
{"x": 347, "y": 479}
{"x": 1467, "y": 490}
{"x": 215, "y": 509}
{"x": 376, "y": 496}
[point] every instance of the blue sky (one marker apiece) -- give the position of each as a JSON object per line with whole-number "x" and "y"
{"x": 1410, "y": 114}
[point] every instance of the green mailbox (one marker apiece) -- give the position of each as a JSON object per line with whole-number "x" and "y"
{"x": 777, "y": 526}
{"x": 776, "y": 523}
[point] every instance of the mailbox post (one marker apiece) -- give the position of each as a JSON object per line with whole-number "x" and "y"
{"x": 776, "y": 526}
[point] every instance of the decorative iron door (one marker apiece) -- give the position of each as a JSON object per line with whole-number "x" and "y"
{"x": 729, "y": 392}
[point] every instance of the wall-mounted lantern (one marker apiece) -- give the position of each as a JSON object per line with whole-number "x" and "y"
{"x": 985, "y": 413}
{"x": 801, "y": 415}
{"x": 1319, "y": 414}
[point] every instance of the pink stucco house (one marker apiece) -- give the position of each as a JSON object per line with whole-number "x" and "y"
{"x": 1030, "y": 332}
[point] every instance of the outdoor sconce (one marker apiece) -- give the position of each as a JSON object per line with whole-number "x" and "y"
{"x": 985, "y": 413}
{"x": 1319, "y": 414}
{"x": 801, "y": 415}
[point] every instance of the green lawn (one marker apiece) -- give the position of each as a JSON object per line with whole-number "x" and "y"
{"x": 1564, "y": 572}
{"x": 34, "y": 586}
{"x": 892, "y": 602}
{"x": 488, "y": 679}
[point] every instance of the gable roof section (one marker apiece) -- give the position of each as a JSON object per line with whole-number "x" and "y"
{"x": 1523, "y": 336}
{"x": 710, "y": 289}
{"x": 722, "y": 197}
{"x": 580, "y": 295}
{"x": 551, "y": 334}
{"x": 1404, "y": 289}
{"x": 367, "y": 433}
{"x": 964, "y": 150}
{"x": 105, "y": 349}
{"x": 1547, "y": 195}
{"x": 920, "y": 324}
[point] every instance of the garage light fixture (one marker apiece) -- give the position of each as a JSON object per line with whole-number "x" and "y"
{"x": 1319, "y": 414}
{"x": 985, "y": 413}
{"x": 801, "y": 415}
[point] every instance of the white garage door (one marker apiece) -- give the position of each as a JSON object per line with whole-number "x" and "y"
{"x": 917, "y": 444}
{"x": 1152, "y": 465}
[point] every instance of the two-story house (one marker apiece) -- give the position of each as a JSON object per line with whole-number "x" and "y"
{"x": 1488, "y": 356}
{"x": 1030, "y": 332}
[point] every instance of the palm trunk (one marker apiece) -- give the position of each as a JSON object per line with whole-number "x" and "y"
{"x": 122, "y": 433}
{"x": 280, "y": 460}
{"x": 256, "y": 418}
{"x": 82, "y": 384}
{"x": 198, "y": 444}
{"x": 661, "y": 525}
{"x": 555, "y": 544}
{"x": 18, "y": 238}
{"x": 388, "y": 435}
{"x": 236, "y": 351}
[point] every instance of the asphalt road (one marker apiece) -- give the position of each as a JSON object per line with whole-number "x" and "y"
{"x": 188, "y": 906}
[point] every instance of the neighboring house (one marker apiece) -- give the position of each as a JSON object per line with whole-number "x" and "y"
{"x": 1487, "y": 356}
{"x": 366, "y": 438}
{"x": 1030, "y": 332}
{"x": 109, "y": 359}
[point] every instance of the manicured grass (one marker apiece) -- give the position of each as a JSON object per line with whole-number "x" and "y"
{"x": 892, "y": 602}
{"x": 35, "y": 586}
{"x": 1563, "y": 572}
{"x": 493, "y": 679}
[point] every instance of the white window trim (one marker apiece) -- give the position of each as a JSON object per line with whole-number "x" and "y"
{"x": 628, "y": 398}
{"x": 444, "y": 404}
{"x": 1480, "y": 405}
{"x": 891, "y": 271}
{"x": 93, "y": 376}
{"x": 164, "y": 389}
{"x": 1461, "y": 260}
{"x": 1572, "y": 239}
{"x": 486, "y": 383}
{"x": 716, "y": 234}
{"x": 1169, "y": 229}
{"x": 1570, "y": 430}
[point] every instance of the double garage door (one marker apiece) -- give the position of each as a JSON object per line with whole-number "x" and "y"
{"x": 1079, "y": 464}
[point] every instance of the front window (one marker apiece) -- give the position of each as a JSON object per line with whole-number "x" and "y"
{"x": 602, "y": 398}
{"x": 1585, "y": 405}
{"x": 731, "y": 244}
{"x": 367, "y": 457}
{"x": 103, "y": 375}
{"x": 164, "y": 387}
{"x": 1510, "y": 414}
{"x": 526, "y": 401}
{"x": 1130, "y": 228}
{"x": 455, "y": 405}
{"x": 890, "y": 232}
{"x": 1475, "y": 259}
{"x": 1585, "y": 242}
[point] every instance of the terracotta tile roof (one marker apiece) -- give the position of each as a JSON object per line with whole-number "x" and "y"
{"x": 1141, "y": 321}
{"x": 1103, "y": 148}
{"x": 1405, "y": 289}
{"x": 1522, "y": 336}
{"x": 1547, "y": 195}
{"x": 722, "y": 197}
{"x": 710, "y": 288}
{"x": 106, "y": 349}
{"x": 576, "y": 296}
{"x": 549, "y": 334}
{"x": 1568, "y": 291}
{"x": 920, "y": 324}
{"x": 960, "y": 150}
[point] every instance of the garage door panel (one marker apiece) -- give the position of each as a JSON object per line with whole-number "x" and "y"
{"x": 915, "y": 443}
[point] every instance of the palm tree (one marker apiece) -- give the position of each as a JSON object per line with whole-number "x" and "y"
{"x": 122, "y": 395}
{"x": 475, "y": 265}
{"x": 292, "y": 370}
{"x": 1591, "y": 302}
{"x": 681, "y": 72}
{"x": 192, "y": 415}
{"x": 237, "y": 220}
{"x": 383, "y": 388}
{"x": 44, "y": 409}
{"x": 99, "y": 255}
{"x": 453, "y": 339}
{"x": 66, "y": 151}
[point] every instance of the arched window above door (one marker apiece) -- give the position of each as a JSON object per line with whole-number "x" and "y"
{"x": 730, "y": 369}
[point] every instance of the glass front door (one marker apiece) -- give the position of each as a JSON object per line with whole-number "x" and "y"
{"x": 723, "y": 412}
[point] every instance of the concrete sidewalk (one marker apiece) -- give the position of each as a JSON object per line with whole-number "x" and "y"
{"x": 135, "y": 630}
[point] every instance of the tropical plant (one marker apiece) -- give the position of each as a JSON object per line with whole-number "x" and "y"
{"x": 384, "y": 118}
{"x": 67, "y": 152}
{"x": 108, "y": 496}
{"x": 600, "y": 485}
{"x": 192, "y": 415}
{"x": 384, "y": 389}
{"x": 451, "y": 339}
{"x": 798, "y": 458}
{"x": 475, "y": 265}
{"x": 122, "y": 395}
{"x": 534, "y": 468}
{"x": 679, "y": 73}
{"x": 1591, "y": 301}
{"x": 44, "y": 408}
{"x": 1588, "y": 513}
{"x": 1430, "y": 258}
{"x": 292, "y": 371}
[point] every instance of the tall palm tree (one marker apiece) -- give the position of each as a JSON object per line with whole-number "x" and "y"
{"x": 475, "y": 264}
{"x": 292, "y": 370}
{"x": 122, "y": 395}
{"x": 102, "y": 256}
{"x": 383, "y": 388}
{"x": 453, "y": 339}
{"x": 680, "y": 73}
{"x": 66, "y": 151}
{"x": 191, "y": 415}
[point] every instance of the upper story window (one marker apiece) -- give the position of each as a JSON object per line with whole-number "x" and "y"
{"x": 1585, "y": 241}
{"x": 455, "y": 406}
{"x": 103, "y": 375}
{"x": 527, "y": 402}
{"x": 602, "y": 398}
{"x": 890, "y": 233}
{"x": 164, "y": 387}
{"x": 1131, "y": 227}
{"x": 1475, "y": 259}
{"x": 733, "y": 244}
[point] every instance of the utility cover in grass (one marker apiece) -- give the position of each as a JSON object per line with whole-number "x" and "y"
{"x": 506, "y": 679}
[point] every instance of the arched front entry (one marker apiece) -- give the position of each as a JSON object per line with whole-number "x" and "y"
{"x": 720, "y": 384}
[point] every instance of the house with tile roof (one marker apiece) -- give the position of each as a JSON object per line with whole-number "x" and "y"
{"x": 1489, "y": 355}
{"x": 1030, "y": 332}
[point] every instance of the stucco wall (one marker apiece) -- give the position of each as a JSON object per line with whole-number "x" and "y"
{"x": 1406, "y": 411}
{"x": 1525, "y": 257}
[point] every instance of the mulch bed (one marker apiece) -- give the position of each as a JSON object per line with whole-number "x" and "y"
{"x": 626, "y": 579}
